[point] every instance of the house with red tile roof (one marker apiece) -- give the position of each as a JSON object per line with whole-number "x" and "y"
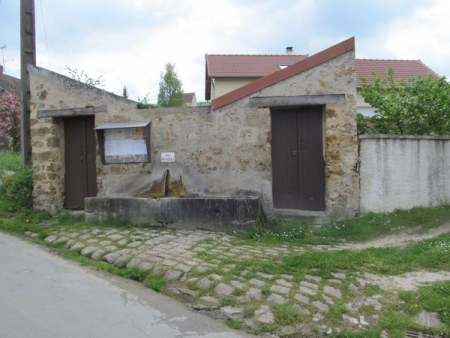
{"x": 9, "y": 84}
{"x": 403, "y": 70}
{"x": 190, "y": 99}
{"x": 225, "y": 73}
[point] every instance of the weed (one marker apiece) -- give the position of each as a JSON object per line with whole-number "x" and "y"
{"x": 370, "y": 333}
{"x": 228, "y": 301}
{"x": 67, "y": 218}
{"x": 234, "y": 324}
{"x": 335, "y": 313}
{"x": 285, "y": 314}
{"x": 249, "y": 310}
{"x": 265, "y": 328}
{"x": 155, "y": 282}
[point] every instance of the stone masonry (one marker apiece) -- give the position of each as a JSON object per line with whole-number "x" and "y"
{"x": 224, "y": 152}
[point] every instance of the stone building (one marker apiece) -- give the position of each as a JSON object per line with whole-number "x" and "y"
{"x": 289, "y": 139}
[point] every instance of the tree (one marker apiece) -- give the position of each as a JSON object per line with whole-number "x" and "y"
{"x": 417, "y": 106}
{"x": 125, "y": 92}
{"x": 81, "y": 76}
{"x": 10, "y": 116}
{"x": 170, "y": 88}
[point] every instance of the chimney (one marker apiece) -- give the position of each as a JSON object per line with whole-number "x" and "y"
{"x": 1, "y": 69}
{"x": 289, "y": 50}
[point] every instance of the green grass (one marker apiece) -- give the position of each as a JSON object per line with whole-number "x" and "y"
{"x": 234, "y": 324}
{"x": 10, "y": 161}
{"x": 285, "y": 314}
{"x": 432, "y": 298}
{"x": 360, "y": 229}
{"x": 16, "y": 185}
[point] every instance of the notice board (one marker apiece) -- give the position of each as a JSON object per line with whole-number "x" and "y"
{"x": 126, "y": 142}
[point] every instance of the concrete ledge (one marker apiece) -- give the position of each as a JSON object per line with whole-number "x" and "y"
{"x": 207, "y": 213}
{"x": 307, "y": 216}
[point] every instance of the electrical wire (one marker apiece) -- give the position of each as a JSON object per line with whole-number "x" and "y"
{"x": 45, "y": 35}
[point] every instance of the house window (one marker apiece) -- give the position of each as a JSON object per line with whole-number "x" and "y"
{"x": 283, "y": 66}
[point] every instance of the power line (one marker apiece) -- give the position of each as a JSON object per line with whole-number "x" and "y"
{"x": 45, "y": 35}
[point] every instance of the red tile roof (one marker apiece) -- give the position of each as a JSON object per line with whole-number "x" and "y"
{"x": 280, "y": 75}
{"x": 403, "y": 69}
{"x": 9, "y": 84}
{"x": 247, "y": 65}
{"x": 188, "y": 97}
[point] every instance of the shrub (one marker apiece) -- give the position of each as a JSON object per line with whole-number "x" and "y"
{"x": 16, "y": 185}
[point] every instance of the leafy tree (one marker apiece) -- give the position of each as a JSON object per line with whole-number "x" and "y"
{"x": 144, "y": 103}
{"x": 170, "y": 88}
{"x": 81, "y": 76}
{"x": 125, "y": 92}
{"x": 417, "y": 106}
{"x": 10, "y": 116}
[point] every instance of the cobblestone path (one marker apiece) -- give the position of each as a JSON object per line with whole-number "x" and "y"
{"x": 210, "y": 274}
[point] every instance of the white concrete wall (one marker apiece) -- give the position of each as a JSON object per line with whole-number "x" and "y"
{"x": 402, "y": 172}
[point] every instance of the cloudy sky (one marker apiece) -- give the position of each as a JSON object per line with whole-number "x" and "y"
{"x": 128, "y": 42}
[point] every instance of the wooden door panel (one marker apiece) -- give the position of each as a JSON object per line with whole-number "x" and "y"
{"x": 311, "y": 163}
{"x": 297, "y": 159}
{"x": 284, "y": 162}
{"x": 80, "y": 177}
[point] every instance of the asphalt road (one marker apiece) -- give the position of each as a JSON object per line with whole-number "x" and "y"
{"x": 42, "y": 295}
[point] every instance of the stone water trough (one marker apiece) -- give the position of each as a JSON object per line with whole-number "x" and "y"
{"x": 167, "y": 203}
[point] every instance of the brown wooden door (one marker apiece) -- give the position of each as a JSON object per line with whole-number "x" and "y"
{"x": 298, "y": 166}
{"x": 80, "y": 178}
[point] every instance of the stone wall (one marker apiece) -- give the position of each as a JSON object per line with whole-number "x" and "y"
{"x": 336, "y": 76}
{"x": 402, "y": 172}
{"x": 51, "y": 91}
{"x": 225, "y": 152}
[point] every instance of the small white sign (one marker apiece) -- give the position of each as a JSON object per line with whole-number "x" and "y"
{"x": 168, "y": 157}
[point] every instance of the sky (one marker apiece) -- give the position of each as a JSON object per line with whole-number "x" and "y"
{"x": 129, "y": 42}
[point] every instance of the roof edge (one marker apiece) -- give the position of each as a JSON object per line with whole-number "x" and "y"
{"x": 283, "y": 74}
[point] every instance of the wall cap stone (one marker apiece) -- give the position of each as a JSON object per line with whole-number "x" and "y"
{"x": 410, "y": 137}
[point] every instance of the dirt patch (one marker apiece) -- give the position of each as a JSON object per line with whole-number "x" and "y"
{"x": 409, "y": 280}
{"x": 403, "y": 238}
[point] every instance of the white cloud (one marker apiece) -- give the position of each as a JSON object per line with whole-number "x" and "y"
{"x": 424, "y": 35}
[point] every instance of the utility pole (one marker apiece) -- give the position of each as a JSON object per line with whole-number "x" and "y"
{"x": 27, "y": 56}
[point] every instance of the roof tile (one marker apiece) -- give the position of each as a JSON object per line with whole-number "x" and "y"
{"x": 403, "y": 69}
{"x": 280, "y": 75}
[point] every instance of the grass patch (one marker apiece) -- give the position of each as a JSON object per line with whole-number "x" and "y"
{"x": 285, "y": 314}
{"x": 234, "y": 324}
{"x": 392, "y": 261}
{"x": 155, "y": 282}
{"x": 228, "y": 301}
{"x": 432, "y": 298}
{"x": 363, "y": 228}
{"x": 16, "y": 185}
{"x": 249, "y": 310}
{"x": 369, "y": 333}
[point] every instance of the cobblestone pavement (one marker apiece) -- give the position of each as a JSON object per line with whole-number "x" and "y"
{"x": 204, "y": 269}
